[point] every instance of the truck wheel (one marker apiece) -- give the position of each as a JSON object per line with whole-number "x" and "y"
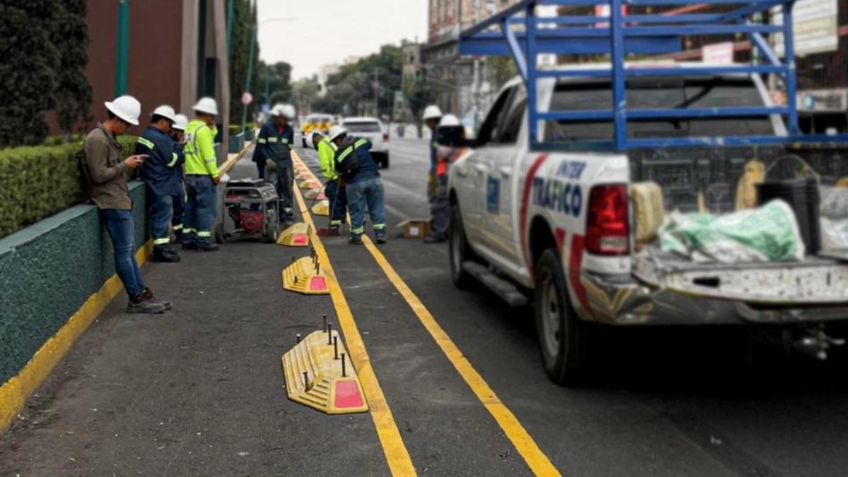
{"x": 386, "y": 161}
{"x": 460, "y": 252}
{"x": 562, "y": 336}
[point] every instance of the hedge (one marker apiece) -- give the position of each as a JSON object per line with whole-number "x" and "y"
{"x": 39, "y": 181}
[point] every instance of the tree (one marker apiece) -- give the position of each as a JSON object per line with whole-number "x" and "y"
{"x": 244, "y": 27}
{"x": 27, "y": 71}
{"x": 73, "y": 91}
{"x": 273, "y": 83}
{"x": 418, "y": 96}
{"x": 305, "y": 94}
{"x": 357, "y": 85}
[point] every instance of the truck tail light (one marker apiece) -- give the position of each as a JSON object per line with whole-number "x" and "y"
{"x": 385, "y": 137}
{"x": 607, "y": 222}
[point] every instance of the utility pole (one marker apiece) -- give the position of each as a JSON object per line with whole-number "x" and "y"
{"x": 475, "y": 87}
{"x": 249, "y": 76}
{"x": 230, "y": 7}
{"x": 123, "y": 60}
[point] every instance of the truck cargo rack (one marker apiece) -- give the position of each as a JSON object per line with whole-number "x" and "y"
{"x": 518, "y": 32}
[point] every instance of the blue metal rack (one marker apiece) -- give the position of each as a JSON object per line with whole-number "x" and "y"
{"x": 516, "y": 32}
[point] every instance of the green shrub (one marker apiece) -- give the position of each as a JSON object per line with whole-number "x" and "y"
{"x": 235, "y": 129}
{"x": 39, "y": 181}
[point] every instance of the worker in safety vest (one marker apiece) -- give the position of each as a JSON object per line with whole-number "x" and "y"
{"x": 334, "y": 189}
{"x": 432, "y": 116}
{"x": 105, "y": 181}
{"x": 159, "y": 178}
{"x": 275, "y": 141}
{"x": 202, "y": 178}
{"x": 178, "y": 199}
{"x": 364, "y": 188}
{"x": 450, "y": 140}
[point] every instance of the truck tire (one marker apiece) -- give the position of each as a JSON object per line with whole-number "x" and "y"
{"x": 460, "y": 252}
{"x": 563, "y": 338}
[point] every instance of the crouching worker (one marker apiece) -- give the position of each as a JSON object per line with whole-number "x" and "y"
{"x": 364, "y": 188}
{"x": 333, "y": 188}
{"x": 160, "y": 179}
{"x": 450, "y": 140}
{"x": 105, "y": 177}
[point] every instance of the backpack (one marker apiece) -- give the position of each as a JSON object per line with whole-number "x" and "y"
{"x": 347, "y": 167}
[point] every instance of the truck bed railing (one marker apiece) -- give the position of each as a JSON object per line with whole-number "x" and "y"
{"x": 518, "y": 32}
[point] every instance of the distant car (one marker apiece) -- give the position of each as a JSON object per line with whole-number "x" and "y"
{"x": 373, "y": 130}
{"x": 316, "y": 123}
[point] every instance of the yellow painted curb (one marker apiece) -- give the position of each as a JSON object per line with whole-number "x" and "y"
{"x": 15, "y": 392}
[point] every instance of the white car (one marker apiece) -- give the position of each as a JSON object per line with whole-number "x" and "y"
{"x": 373, "y": 130}
{"x": 559, "y": 225}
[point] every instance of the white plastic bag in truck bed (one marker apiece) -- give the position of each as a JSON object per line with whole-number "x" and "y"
{"x": 767, "y": 234}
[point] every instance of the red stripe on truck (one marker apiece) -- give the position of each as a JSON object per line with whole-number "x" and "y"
{"x": 575, "y": 264}
{"x": 525, "y": 205}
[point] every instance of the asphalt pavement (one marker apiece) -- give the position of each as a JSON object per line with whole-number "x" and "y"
{"x": 199, "y": 391}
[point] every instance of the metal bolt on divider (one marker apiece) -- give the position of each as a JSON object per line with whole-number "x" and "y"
{"x": 297, "y": 338}
{"x": 306, "y": 379}
{"x": 335, "y": 347}
{"x": 344, "y": 371}
{"x": 329, "y": 333}
{"x": 325, "y": 324}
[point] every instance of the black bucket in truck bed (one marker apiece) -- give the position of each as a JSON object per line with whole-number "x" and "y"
{"x": 803, "y": 196}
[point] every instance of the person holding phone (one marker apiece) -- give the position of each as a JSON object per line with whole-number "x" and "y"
{"x": 106, "y": 185}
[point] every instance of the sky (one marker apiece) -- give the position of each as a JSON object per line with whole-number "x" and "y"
{"x": 319, "y": 32}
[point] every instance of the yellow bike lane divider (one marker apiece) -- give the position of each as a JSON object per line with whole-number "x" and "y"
{"x": 397, "y": 456}
{"x": 536, "y": 459}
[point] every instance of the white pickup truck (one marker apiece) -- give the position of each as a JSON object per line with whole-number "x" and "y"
{"x": 559, "y": 225}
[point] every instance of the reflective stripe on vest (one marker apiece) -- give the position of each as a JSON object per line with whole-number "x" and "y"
{"x": 351, "y": 148}
{"x": 147, "y": 143}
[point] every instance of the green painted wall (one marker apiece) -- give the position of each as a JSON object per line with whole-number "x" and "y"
{"x": 47, "y": 271}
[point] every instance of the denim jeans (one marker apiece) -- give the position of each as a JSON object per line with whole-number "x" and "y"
{"x": 200, "y": 209}
{"x": 121, "y": 229}
{"x": 338, "y": 201}
{"x": 261, "y": 168}
{"x": 161, "y": 208}
{"x": 362, "y": 195}
{"x": 285, "y": 179}
{"x": 178, "y": 201}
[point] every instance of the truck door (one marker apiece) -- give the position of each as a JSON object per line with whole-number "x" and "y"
{"x": 501, "y": 181}
{"x": 478, "y": 193}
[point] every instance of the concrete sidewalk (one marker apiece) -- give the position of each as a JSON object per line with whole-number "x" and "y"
{"x": 197, "y": 391}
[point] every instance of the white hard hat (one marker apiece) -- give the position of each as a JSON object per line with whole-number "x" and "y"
{"x": 432, "y": 112}
{"x": 337, "y": 131}
{"x": 206, "y": 105}
{"x": 180, "y": 122}
{"x": 125, "y": 107}
{"x": 277, "y": 110}
{"x": 449, "y": 120}
{"x": 288, "y": 111}
{"x": 166, "y": 112}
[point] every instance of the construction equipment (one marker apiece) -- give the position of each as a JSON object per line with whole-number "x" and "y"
{"x": 249, "y": 210}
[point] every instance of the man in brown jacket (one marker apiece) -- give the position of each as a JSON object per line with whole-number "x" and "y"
{"x": 107, "y": 188}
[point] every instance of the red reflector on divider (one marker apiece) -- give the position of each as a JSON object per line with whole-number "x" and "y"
{"x": 301, "y": 240}
{"x": 318, "y": 284}
{"x": 348, "y": 395}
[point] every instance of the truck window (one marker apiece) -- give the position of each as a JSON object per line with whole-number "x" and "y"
{"x": 512, "y": 122}
{"x": 658, "y": 93}
{"x": 490, "y": 130}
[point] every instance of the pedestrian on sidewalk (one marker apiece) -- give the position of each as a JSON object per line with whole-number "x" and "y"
{"x": 431, "y": 117}
{"x": 178, "y": 199}
{"x": 450, "y": 140}
{"x": 334, "y": 189}
{"x": 356, "y": 167}
{"x": 106, "y": 185}
{"x": 274, "y": 143}
{"x": 161, "y": 181}
{"x": 202, "y": 178}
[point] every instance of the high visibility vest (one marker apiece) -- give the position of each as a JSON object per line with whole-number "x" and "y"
{"x": 200, "y": 150}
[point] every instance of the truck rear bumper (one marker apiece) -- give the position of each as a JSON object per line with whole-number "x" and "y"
{"x": 625, "y": 300}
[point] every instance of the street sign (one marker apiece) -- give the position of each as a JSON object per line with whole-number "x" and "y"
{"x": 246, "y": 98}
{"x": 718, "y": 53}
{"x": 815, "y": 23}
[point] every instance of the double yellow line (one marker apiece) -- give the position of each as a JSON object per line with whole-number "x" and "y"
{"x": 387, "y": 430}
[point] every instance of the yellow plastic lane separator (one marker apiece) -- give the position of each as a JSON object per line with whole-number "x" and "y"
{"x": 319, "y": 375}
{"x": 525, "y": 445}
{"x": 15, "y": 392}
{"x": 305, "y": 276}
{"x": 296, "y": 235}
{"x": 321, "y": 208}
{"x": 397, "y": 456}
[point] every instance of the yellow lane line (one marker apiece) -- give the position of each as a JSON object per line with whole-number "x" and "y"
{"x": 394, "y": 448}
{"x": 536, "y": 459}
{"x": 15, "y": 392}
{"x": 531, "y": 453}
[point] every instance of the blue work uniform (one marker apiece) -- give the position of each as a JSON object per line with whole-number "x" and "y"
{"x": 363, "y": 186}
{"x": 161, "y": 178}
{"x": 178, "y": 199}
{"x": 275, "y": 144}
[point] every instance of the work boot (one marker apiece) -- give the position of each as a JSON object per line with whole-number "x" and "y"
{"x": 165, "y": 254}
{"x": 381, "y": 239}
{"x": 206, "y": 246}
{"x": 147, "y": 295}
{"x": 178, "y": 238}
{"x": 435, "y": 239}
{"x": 138, "y": 305}
{"x": 189, "y": 245}
{"x": 355, "y": 240}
